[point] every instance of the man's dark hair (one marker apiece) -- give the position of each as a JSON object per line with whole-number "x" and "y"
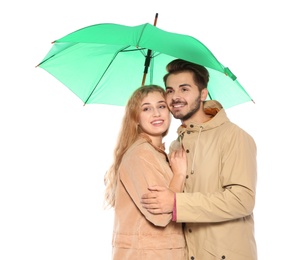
{"x": 200, "y": 73}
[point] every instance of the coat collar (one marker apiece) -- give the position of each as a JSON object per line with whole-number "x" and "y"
{"x": 213, "y": 108}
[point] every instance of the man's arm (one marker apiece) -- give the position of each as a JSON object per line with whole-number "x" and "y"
{"x": 159, "y": 200}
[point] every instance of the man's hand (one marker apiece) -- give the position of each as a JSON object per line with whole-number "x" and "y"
{"x": 159, "y": 200}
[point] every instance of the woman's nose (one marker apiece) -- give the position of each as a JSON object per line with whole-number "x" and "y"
{"x": 156, "y": 112}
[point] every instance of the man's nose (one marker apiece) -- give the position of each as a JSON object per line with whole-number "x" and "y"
{"x": 175, "y": 95}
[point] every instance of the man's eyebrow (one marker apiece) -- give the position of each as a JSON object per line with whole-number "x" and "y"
{"x": 185, "y": 85}
{"x": 180, "y": 86}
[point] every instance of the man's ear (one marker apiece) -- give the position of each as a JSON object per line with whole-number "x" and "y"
{"x": 204, "y": 94}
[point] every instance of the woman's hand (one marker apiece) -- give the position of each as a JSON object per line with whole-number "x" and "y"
{"x": 178, "y": 161}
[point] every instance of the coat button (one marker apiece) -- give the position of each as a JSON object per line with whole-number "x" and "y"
{"x": 223, "y": 257}
{"x": 187, "y": 176}
{"x": 191, "y": 126}
{"x": 189, "y": 230}
{"x": 188, "y": 132}
{"x": 192, "y": 257}
{"x": 187, "y": 151}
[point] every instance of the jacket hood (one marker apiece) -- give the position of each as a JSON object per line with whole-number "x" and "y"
{"x": 213, "y": 108}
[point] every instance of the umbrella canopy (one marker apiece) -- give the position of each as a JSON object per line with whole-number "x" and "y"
{"x": 105, "y": 63}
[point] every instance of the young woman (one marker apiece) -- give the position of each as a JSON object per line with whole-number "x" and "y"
{"x": 139, "y": 162}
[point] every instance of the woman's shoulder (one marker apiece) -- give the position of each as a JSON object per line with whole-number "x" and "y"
{"x": 138, "y": 148}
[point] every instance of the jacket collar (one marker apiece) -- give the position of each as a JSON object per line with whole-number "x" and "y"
{"x": 211, "y": 107}
{"x": 145, "y": 138}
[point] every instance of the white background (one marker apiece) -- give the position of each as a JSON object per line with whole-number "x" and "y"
{"x": 55, "y": 151}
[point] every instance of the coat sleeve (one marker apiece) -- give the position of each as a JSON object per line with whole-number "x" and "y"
{"x": 235, "y": 196}
{"x": 139, "y": 171}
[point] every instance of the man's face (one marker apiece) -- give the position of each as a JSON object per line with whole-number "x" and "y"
{"x": 183, "y": 96}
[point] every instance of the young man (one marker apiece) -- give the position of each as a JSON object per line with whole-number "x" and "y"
{"x": 219, "y": 194}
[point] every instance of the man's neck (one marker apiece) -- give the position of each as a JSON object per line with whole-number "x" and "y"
{"x": 199, "y": 118}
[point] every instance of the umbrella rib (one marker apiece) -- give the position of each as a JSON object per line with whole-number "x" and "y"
{"x": 110, "y": 63}
{"x": 138, "y": 49}
{"x": 45, "y": 60}
{"x": 210, "y": 96}
{"x": 142, "y": 32}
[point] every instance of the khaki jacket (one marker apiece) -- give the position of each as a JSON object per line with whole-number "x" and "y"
{"x": 219, "y": 195}
{"x": 138, "y": 234}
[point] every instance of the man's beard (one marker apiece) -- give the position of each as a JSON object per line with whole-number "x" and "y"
{"x": 193, "y": 110}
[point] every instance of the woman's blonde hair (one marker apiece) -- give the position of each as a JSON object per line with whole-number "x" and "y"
{"x": 127, "y": 136}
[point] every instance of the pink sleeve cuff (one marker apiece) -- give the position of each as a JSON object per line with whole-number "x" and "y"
{"x": 174, "y": 218}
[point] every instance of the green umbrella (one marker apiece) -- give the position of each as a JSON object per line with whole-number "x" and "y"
{"x": 105, "y": 63}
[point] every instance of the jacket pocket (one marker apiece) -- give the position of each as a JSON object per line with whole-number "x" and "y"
{"x": 213, "y": 252}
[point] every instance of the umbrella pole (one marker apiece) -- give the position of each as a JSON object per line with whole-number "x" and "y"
{"x": 148, "y": 57}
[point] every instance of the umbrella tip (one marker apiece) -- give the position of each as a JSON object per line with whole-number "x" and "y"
{"x": 155, "y": 19}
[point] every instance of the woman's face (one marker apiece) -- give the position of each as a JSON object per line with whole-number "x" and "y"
{"x": 154, "y": 118}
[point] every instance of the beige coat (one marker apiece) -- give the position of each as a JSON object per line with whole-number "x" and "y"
{"x": 219, "y": 197}
{"x": 138, "y": 234}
